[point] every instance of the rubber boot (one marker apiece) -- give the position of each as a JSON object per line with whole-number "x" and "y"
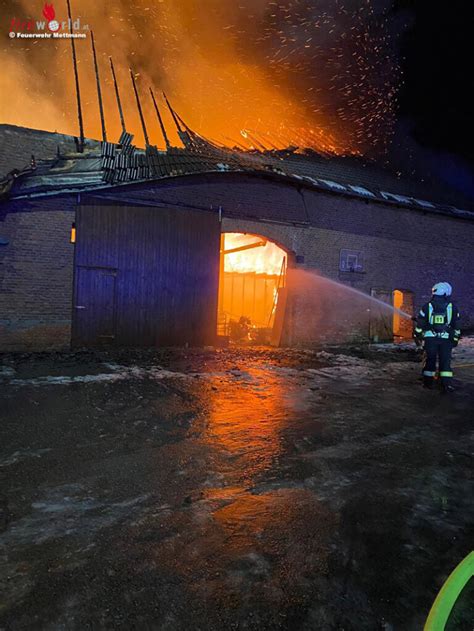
{"x": 428, "y": 382}
{"x": 447, "y": 387}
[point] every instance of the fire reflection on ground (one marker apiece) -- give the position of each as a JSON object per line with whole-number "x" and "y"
{"x": 245, "y": 423}
{"x": 229, "y": 490}
{"x": 244, "y": 529}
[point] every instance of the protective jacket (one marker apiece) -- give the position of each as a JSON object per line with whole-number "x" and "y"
{"x": 438, "y": 319}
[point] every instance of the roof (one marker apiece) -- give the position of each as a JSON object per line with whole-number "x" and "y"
{"x": 107, "y": 165}
{"x": 19, "y": 144}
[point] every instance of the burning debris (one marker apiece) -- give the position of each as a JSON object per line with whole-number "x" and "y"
{"x": 247, "y": 253}
{"x": 252, "y": 293}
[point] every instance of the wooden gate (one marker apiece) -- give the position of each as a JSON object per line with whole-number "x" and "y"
{"x": 145, "y": 277}
{"x": 381, "y": 320}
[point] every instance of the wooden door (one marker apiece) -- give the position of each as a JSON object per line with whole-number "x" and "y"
{"x": 280, "y": 311}
{"x": 94, "y": 315}
{"x": 381, "y": 319}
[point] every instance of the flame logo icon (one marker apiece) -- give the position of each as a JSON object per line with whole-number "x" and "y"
{"x": 49, "y": 12}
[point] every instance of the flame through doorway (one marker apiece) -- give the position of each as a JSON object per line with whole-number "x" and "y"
{"x": 252, "y": 289}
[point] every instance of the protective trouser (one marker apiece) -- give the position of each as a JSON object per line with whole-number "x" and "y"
{"x": 438, "y": 348}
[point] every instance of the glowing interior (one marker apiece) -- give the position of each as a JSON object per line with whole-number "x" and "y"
{"x": 402, "y": 327}
{"x": 252, "y": 282}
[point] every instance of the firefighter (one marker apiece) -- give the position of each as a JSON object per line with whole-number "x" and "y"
{"x": 437, "y": 325}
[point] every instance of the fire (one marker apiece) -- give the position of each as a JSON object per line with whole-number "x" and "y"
{"x": 253, "y": 73}
{"x": 49, "y": 12}
{"x": 265, "y": 259}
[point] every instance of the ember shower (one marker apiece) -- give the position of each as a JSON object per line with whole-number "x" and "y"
{"x": 307, "y": 73}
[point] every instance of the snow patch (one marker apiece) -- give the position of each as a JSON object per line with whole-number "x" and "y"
{"x": 23, "y": 454}
{"x": 399, "y": 346}
{"x": 6, "y": 371}
{"x": 68, "y": 510}
{"x": 464, "y": 353}
{"x": 120, "y": 373}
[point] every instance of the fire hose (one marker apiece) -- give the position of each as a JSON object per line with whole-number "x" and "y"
{"x": 449, "y": 593}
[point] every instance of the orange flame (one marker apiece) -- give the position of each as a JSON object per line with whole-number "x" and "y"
{"x": 224, "y": 72}
{"x": 266, "y": 259}
{"x": 49, "y": 12}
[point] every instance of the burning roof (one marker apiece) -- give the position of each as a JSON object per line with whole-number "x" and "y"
{"x": 107, "y": 165}
{"x": 323, "y": 74}
{"x": 314, "y": 159}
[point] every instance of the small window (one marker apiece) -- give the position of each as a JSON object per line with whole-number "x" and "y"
{"x": 351, "y": 261}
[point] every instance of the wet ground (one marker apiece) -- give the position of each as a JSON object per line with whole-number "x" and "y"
{"x": 231, "y": 489}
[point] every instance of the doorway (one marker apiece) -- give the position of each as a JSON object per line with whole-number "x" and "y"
{"x": 252, "y": 289}
{"x": 95, "y": 292}
{"x": 402, "y": 326}
{"x": 381, "y": 320}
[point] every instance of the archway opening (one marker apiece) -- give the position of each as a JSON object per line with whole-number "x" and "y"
{"x": 252, "y": 289}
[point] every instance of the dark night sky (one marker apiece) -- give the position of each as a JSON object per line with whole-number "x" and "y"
{"x": 434, "y": 129}
{"x": 437, "y": 58}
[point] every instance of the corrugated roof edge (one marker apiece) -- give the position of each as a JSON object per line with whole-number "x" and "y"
{"x": 325, "y": 186}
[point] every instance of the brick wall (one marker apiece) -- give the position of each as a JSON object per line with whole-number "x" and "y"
{"x": 36, "y": 271}
{"x": 402, "y": 249}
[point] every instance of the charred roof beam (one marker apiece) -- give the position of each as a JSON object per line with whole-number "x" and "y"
{"x": 76, "y": 77}
{"x": 117, "y": 96}
{"x": 183, "y": 135}
{"x": 160, "y": 120}
{"x": 99, "y": 90}
{"x": 140, "y": 111}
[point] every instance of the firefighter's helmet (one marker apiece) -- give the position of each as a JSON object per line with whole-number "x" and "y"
{"x": 442, "y": 289}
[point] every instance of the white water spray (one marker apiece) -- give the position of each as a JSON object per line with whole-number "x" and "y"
{"x": 361, "y": 294}
{"x": 328, "y": 310}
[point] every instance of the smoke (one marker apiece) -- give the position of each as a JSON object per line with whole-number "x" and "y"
{"x": 319, "y": 73}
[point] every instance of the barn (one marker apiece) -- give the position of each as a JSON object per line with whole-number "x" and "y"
{"x": 116, "y": 246}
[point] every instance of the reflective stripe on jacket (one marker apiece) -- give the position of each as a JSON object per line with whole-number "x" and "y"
{"x": 438, "y": 318}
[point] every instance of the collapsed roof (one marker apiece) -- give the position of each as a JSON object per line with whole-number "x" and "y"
{"x": 63, "y": 169}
